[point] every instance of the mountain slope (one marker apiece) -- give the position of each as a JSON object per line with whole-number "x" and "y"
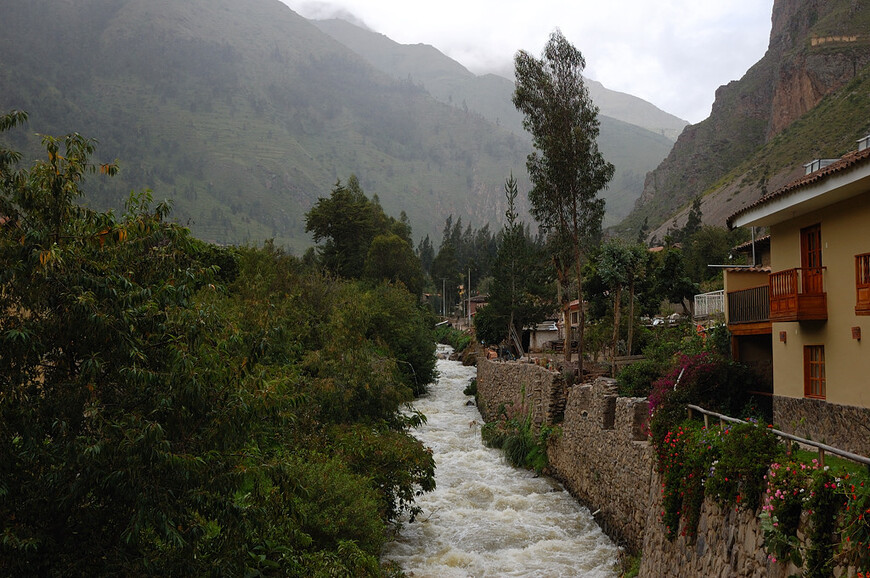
{"x": 634, "y": 146}
{"x": 817, "y": 48}
{"x": 244, "y": 113}
{"x": 449, "y": 81}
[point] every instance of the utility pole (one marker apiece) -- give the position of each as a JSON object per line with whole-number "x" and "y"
{"x": 468, "y": 309}
{"x": 443, "y": 297}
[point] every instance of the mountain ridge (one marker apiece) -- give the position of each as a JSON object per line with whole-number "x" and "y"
{"x": 399, "y": 60}
{"x": 633, "y": 148}
{"x": 243, "y": 115}
{"x": 738, "y": 153}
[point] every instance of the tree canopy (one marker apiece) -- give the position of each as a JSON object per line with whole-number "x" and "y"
{"x": 347, "y": 223}
{"x": 168, "y": 407}
{"x": 521, "y": 289}
{"x": 566, "y": 169}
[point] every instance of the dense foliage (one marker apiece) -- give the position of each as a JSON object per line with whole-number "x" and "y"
{"x": 358, "y": 240}
{"x": 168, "y": 407}
{"x": 458, "y": 340}
{"x": 521, "y": 289}
{"x": 567, "y": 169}
{"x": 813, "y": 516}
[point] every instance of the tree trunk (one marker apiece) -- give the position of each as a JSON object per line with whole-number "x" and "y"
{"x": 630, "y": 317}
{"x": 566, "y": 319}
{"x": 617, "y": 298}
{"x": 581, "y": 329}
{"x": 566, "y": 308}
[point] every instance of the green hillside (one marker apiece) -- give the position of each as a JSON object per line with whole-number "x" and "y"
{"x": 244, "y": 114}
{"x": 635, "y": 140}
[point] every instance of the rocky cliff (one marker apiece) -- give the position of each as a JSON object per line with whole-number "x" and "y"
{"x": 817, "y": 47}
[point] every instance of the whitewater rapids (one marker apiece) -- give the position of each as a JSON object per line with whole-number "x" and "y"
{"x": 487, "y": 518}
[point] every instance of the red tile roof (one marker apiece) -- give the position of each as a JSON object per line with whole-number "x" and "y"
{"x": 848, "y": 161}
{"x": 756, "y": 269}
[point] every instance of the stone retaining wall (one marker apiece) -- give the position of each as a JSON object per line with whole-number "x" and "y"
{"x": 604, "y": 459}
{"x": 829, "y": 423}
{"x": 520, "y": 388}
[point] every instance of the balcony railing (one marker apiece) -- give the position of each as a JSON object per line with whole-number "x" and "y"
{"x": 798, "y": 295}
{"x": 749, "y": 305}
{"x": 709, "y": 304}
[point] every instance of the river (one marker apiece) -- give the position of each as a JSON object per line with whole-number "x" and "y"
{"x": 487, "y": 518}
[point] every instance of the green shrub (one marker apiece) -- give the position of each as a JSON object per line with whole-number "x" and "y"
{"x": 455, "y": 338}
{"x": 636, "y": 379}
{"x": 335, "y": 505}
{"x": 522, "y": 448}
{"x": 726, "y": 464}
{"x": 738, "y": 476}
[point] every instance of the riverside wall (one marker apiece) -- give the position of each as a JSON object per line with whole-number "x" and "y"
{"x": 604, "y": 459}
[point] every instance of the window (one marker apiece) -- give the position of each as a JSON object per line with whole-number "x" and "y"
{"x": 814, "y": 371}
{"x": 811, "y": 259}
{"x": 862, "y": 284}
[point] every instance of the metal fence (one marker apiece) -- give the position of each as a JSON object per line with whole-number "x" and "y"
{"x": 823, "y": 448}
{"x": 710, "y": 304}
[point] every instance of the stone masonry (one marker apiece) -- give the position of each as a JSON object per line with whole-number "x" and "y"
{"x": 604, "y": 459}
{"x": 826, "y": 422}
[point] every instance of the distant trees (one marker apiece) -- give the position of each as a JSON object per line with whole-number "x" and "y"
{"x": 567, "y": 170}
{"x": 391, "y": 258}
{"x": 703, "y": 245}
{"x": 462, "y": 251}
{"x": 521, "y": 286}
{"x": 359, "y": 240}
{"x": 620, "y": 266}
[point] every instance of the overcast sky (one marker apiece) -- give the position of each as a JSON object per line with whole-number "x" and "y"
{"x": 673, "y": 53}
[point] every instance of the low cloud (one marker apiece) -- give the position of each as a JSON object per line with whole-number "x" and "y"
{"x": 673, "y": 53}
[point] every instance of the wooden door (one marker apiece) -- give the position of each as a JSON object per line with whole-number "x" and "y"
{"x": 811, "y": 259}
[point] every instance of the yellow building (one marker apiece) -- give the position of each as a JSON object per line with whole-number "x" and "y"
{"x": 819, "y": 299}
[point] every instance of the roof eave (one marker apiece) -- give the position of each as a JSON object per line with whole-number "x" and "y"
{"x": 812, "y": 197}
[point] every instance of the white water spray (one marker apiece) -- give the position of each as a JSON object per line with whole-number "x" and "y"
{"x": 487, "y": 518}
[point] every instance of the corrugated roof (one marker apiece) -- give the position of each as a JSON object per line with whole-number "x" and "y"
{"x": 848, "y": 161}
{"x": 765, "y": 240}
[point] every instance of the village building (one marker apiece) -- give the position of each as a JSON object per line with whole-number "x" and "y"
{"x": 818, "y": 300}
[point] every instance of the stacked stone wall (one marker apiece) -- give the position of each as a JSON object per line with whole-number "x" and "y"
{"x": 604, "y": 458}
{"x": 819, "y": 420}
{"x": 520, "y": 388}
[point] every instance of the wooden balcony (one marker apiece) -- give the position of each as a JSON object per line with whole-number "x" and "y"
{"x": 749, "y": 311}
{"x": 798, "y": 295}
{"x": 862, "y": 284}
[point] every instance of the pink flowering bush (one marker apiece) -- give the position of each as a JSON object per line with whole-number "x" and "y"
{"x": 792, "y": 489}
{"x": 687, "y": 452}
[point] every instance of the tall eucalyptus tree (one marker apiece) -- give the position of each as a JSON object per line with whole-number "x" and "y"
{"x": 566, "y": 169}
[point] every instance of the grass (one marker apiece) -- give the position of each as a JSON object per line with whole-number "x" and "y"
{"x": 836, "y": 463}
